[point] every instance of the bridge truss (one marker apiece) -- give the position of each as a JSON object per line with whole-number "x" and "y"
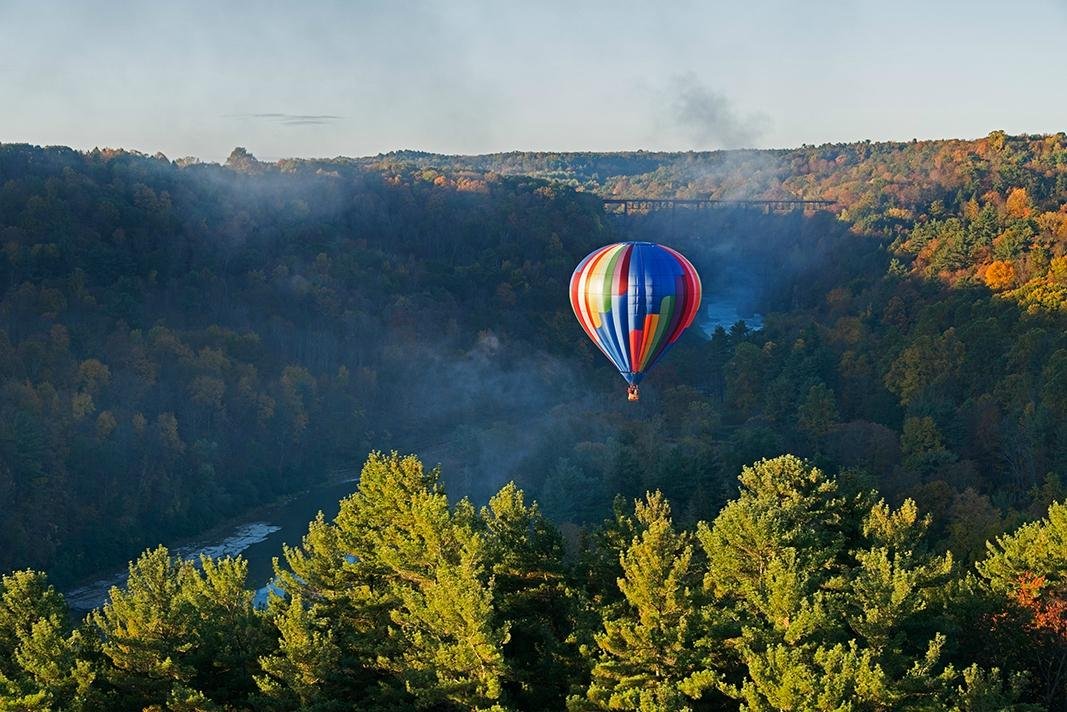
{"x": 627, "y": 206}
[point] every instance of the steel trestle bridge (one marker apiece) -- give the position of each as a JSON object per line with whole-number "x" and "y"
{"x": 645, "y": 205}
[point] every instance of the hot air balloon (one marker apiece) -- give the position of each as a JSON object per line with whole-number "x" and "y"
{"x": 634, "y": 299}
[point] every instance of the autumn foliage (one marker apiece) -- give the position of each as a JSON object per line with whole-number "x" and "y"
{"x": 999, "y": 275}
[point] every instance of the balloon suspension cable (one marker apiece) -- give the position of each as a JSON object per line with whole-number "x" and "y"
{"x": 632, "y": 393}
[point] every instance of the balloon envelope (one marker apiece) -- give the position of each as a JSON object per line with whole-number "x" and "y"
{"x": 634, "y": 299}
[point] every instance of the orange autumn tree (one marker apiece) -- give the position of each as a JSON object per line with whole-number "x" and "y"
{"x": 1048, "y": 607}
{"x": 1027, "y": 571}
{"x": 999, "y": 275}
{"x": 1018, "y": 203}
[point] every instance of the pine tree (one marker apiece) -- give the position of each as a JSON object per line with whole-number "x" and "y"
{"x": 147, "y": 631}
{"x": 229, "y": 635}
{"x": 897, "y": 590}
{"x": 175, "y": 632}
{"x": 26, "y": 597}
{"x": 789, "y": 516}
{"x": 42, "y": 667}
{"x": 599, "y": 558}
{"x": 349, "y": 597}
{"x": 60, "y": 666}
{"x": 451, "y": 649}
{"x": 533, "y": 597}
{"x": 654, "y": 655}
{"x": 302, "y": 673}
{"x": 402, "y": 580}
{"x": 839, "y": 601}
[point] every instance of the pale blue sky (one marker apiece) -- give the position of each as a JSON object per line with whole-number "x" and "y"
{"x": 318, "y": 78}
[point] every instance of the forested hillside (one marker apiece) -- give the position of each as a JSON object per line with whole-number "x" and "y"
{"x": 931, "y": 361}
{"x": 180, "y": 343}
{"x": 183, "y": 341}
{"x": 983, "y": 211}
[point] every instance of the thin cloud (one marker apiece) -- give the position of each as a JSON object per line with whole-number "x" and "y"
{"x": 289, "y": 119}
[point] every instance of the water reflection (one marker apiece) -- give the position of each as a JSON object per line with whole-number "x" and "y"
{"x": 726, "y": 313}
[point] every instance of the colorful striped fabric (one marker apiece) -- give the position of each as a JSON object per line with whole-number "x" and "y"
{"x": 634, "y": 299}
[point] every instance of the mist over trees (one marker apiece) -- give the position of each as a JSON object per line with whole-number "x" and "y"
{"x": 181, "y": 342}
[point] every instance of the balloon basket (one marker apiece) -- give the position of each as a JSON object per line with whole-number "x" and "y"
{"x": 632, "y": 394}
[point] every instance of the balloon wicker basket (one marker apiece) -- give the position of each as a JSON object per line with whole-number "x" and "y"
{"x": 632, "y": 393}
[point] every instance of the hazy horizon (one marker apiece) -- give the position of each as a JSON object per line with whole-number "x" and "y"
{"x": 275, "y": 159}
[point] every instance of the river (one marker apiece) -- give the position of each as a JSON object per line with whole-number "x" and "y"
{"x": 259, "y": 539}
{"x": 726, "y": 312}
